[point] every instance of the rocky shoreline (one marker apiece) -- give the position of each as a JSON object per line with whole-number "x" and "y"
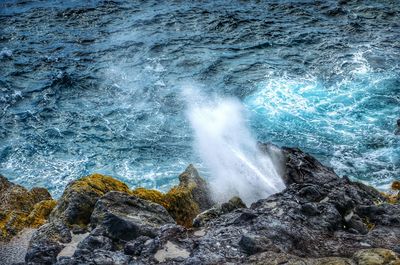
{"x": 318, "y": 219}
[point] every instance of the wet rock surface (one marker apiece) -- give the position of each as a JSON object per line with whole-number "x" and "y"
{"x": 318, "y": 219}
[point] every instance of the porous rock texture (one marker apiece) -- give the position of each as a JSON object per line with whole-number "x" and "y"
{"x": 318, "y": 219}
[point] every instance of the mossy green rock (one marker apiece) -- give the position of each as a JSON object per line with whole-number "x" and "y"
{"x": 77, "y": 202}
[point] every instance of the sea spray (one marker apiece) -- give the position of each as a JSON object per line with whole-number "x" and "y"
{"x": 228, "y": 150}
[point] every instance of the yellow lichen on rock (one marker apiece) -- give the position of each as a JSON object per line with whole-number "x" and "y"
{"x": 181, "y": 205}
{"x": 100, "y": 184}
{"x": 40, "y": 213}
{"x": 184, "y": 201}
{"x": 150, "y": 195}
{"x": 77, "y": 202}
{"x": 178, "y": 202}
{"x": 20, "y": 208}
{"x": 393, "y": 197}
{"x": 11, "y": 222}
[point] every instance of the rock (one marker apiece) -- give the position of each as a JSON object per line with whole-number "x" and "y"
{"x": 382, "y": 214}
{"x": 203, "y": 218}
{"x": 20, "y": 208}
{"x": 40, "y": 194}
{"x": 77, "y": 202}
{"x": 70, "y": 248}
{"x": 93, "y": 242}
{"x": 184, "y": 201}
{"x": 44, "y": 253}
{"x": 96, "y": 257}
{"x": 189, "y": 198}
{"x": 135, "y": 247}
{"x": 118, "y": 222}
{"x": 395, "y": 185}
{"x": 319, "y": 218}
{"x": 150, "y": 195}
{"x": 171, "y": 251}
{"x": 318, "y": 215}
{"x": 252, "y": 244}
{"x": 393, "y": 196}
{"x": 47, "y": 242}
{"x": 126, "y": 217}
{"x": 233, "y": 204}
{"x": 116, "y": 214}
{"x": 40, "y": 212}
{"x": 356, "y": 224}
{"x": 376, "y": 256}
{"x": 217, "y": 210}
{"x": 275, "y": 258}
{"x": 17, "y": 198}
{"x": 362, "y": 257}
{"x": 191, "y": 180}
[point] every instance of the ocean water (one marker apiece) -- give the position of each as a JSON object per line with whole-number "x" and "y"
{"x": 96, "y": 86}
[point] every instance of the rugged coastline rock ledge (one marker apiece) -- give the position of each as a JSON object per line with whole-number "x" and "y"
{"x": 318, "y": 219}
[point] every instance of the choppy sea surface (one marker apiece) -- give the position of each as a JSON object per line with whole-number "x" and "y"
{"x": 96, "y": 86}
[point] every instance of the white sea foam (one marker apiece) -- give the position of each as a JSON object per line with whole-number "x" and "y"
{"x": 236, "y": 165}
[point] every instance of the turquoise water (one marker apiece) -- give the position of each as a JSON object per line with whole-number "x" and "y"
{"x": 97, "y": 86}
{"x": 348, "y": 124}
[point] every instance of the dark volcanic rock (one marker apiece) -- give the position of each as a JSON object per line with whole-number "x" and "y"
{"x": 117, "y": 218}
{"x": 217, "y": 210}
{"x": 96, "y": 257}
{"x": 47, "y": 242}
{"x": 318, "y": 219}
{"x": 126, "y": 217}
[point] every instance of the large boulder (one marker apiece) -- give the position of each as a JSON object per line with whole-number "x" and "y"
{"x": 72, "y": 213}
{"x": 77, "y": 202}
{"x": 20, "y": 208}
{"x": 121, "y": 216}
{"x": 47, "y": 242}
{"x": 118, "y": 222}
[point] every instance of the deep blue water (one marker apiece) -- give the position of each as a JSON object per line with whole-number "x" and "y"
{"x": 95, "y": 86}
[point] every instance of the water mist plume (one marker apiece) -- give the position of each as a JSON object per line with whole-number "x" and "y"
{"x": 222, "y": 139}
